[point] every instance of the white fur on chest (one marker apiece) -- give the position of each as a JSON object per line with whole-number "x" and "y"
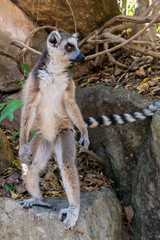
{"x": 52, "y": 89}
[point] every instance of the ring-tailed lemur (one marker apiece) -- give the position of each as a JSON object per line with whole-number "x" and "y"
{"x": 50, "y": 109}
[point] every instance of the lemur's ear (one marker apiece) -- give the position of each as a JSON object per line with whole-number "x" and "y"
{"x": 54, "y": 38}
{"x": 75, "y": 35}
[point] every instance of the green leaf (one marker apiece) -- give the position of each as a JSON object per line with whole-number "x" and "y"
{"x": 23, "y": 81}
{"x": 11, "y": 99}
{"x": 11, "y": 108}
{"x": 16, "y": 163}
{"x": 57, "y": 184}
{"x": 32, "y": 133}
{"x": 8, "y": 186}
{"x": 26, "y": 68}
{"x": 2, "y": 105}
{"x": 15, "y": 135}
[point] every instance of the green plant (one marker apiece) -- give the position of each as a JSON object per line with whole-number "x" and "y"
{"x": 10, "y": 108}
{"x": 14, "y": 104}
{"x": 26, "y": 68}
{"x": 130, "y": 7}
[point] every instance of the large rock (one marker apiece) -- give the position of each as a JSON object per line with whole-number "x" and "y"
{"x": 146, "y": 186}
{"x": 6, "y": 153}
{"x": 16, "y": 27}
{"x": 117, "y": 144}
{"x": 100, "y": 218}
{"x": 131, "y": 151}
{"x": 89, "y": 15}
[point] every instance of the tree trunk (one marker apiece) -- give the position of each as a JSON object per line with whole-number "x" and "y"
{"x": 152, "y": 31}
{"x": 141, "y": 7}
{"x": 124, "y": 2}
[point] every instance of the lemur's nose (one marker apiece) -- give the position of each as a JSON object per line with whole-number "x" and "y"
{"x": 80, "y": 57}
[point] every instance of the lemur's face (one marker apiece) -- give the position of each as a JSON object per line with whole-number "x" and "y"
{"x": 65, "y": 45}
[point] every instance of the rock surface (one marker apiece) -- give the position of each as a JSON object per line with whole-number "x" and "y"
{"x": 88, "y": 14}
{"x": 100, "y": 218}
{"x": 117, "y": 144}
{"x": 146, "y": 186}
{"x": 16, "y": 27}
{"x": 6, "y": 153}
{"x": 131, "y": 151}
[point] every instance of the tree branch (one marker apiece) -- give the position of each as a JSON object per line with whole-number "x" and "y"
{"x": 22, "y": 45}
{"x": 124, "y": 43}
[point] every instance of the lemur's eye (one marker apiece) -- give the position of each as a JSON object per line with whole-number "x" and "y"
{"x": 70, "y": 47}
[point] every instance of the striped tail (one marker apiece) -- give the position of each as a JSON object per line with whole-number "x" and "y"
{"x": 123, "y": 118}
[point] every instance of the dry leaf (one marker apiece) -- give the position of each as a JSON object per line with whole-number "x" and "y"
{"x": 141, "y": 71}
{"x": 20, "y": 189}
{"x": 117, "y": 72}
{"x": 149, "y": 69}
{"x": 15, "y": 196}
{"x": 145, "y": 80}
{"x": 129, "y": 213}
{"x": 143, "y": 87}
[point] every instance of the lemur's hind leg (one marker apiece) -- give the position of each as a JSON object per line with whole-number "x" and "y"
{"x": 31, "y": 173}
{"x": 65, "y": 151}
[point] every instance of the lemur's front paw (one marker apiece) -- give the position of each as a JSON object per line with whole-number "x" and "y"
{"x": 25, "y": 155}
{"x": 69, "y": 216}
{"x": 84, "y": 142}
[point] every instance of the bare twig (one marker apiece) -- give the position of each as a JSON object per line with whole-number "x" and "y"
{"x": 144, "y": 51}
{"x": 41, "y": 28}
{"x": 22, "y": 45}
{"x": 117, "y": 39}
{"x": 125, "y": 42}
{"x": 98, "y": 158}
{"x": 91, "y": 153}
{"x": 111, "y": 58}
{"x": 96, "y": 50}
{"x": 151, "y": 7}
{"x": 75, "y": 24}
{"x": 121, "y": 77}
{"x": 85, "y": 39}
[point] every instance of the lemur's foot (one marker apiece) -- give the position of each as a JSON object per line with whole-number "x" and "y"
{"x": 29, "y": 203}
{"x": 69, "y": 216}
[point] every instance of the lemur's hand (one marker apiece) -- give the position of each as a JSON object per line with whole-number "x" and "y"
{"x": 25, "y": 154}
{"x": 84, "y": 141}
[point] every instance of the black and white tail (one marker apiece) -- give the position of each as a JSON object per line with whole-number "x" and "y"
{"x": 123, "y": 118}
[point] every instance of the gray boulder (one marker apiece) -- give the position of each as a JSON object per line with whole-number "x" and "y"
{"x": 16, "y": 27}
{"x": 146, "y": 186}
{"x": 100, "y": 218}
{"x": 131, "y": 151}
{"x": 118, "y": 144}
